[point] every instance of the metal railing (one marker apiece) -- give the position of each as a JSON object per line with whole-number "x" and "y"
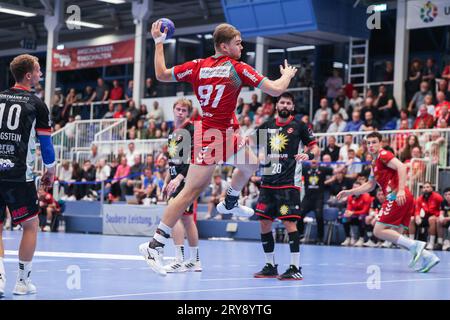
{"x": 91, "y": 106}
{"x": 420, "y": 171}
{"x": 116, "y": 131}
{"x": 110, "y": 149}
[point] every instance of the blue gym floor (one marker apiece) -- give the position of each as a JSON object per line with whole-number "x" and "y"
{"x": 110, "y": 268}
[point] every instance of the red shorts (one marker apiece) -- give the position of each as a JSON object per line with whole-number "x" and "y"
{"x": 215, "y": 147}
{"x": 391, "y": 214}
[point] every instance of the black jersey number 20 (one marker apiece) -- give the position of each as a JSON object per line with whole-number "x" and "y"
{"x": 13, "y": 120}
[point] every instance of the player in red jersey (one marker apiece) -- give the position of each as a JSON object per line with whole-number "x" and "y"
{"x": 396, "y": 212}
{"x": 217, "y": 82}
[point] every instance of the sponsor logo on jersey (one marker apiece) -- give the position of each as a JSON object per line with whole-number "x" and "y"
{"x": 215, "y": 72}
{"x": 184, "y": 74}
{"x": 284, "y": 209}
{"x": 249, "y": 75}
{"x": 6, "y": 164}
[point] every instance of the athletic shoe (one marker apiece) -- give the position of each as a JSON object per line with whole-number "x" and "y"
{"x": 24, "y": 287}
{"x": 369, "y": 243}
{"x": 2, "y": 284}
{"x": 153, "y": 257}
{"x": 47, "y": 228}
{"x": 359, "y": 243}
{"x": 387, "y": 244}
{"x": 438, "y": 247}
{"x": 237, "y": 210}
{"x": 428, "y": 263}
{"x": 176, "y": 266}
{"x": 193, "y": 266}
{"x": 292, "y": 273}
{"x": 346, "y": 243}
{"x": 268, "y": 271}
{"x": 446, "y": 246}
{"x": 17, "y": 227}
{"x": 416, "y": 252}
{"x": 430, "y": 246}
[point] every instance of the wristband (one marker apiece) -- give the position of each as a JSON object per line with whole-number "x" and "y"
{"x": 160, "y": 39}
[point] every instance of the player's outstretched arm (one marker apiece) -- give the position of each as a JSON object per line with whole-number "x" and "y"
{"x": 366, "y": 187}
{"x": 277, "y": 87}
{"x": 162, "y": 73}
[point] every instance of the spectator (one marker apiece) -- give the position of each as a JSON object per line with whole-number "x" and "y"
{"x": 337, "y": 125}
{"x": 405, "y": 153}
{"x": 150, "y": 162}
{"x": 111, "y": 111}
{"x": 255, "y": 104}
{"x": 133, "y": 110}
{"x": 436, "y": 148}
{"x": 65, "y": 175}
{"x": 323, "y": 107}
{"x": 441, "y": 101}
{"x": 69, "y": 107}
{"x": 156, "y": 114}
{"x": 164, "y": 130}
{"x": 356, "y": 102}
{"x": 88, "y": 175}
{"x": 388, "y": 71}
{"x": 103, "y": 170}
{"x": 336, "y": 184}
{"x": 128, "y": 184}
{"x": 419, "y": 97}
{"x": 143, "y": 112}
{"x": 355, "y": 124}
{"x": 386, "y": 108}
{"x": 430, "y": 73}
{"x": 116, "y": 91}
{"x": 131, "y": 154}
{"x": 353, "y": 169}
{"x": 195, "y": 116}
{"x": 443, "y": 114}
{"x": 94, "y": 156}
{"x": 240, "y": 105}
{"x": 343, "y": 101}
{"x": 370, "y": 124}
{"x": 427, "y": 211}
{"x": 404, "y": 116}
{"x": 428, "y": 103}
{"x": 260, "y": 118}
{"x": 424, "y": 120}
{"x": 150, "y": 89}
{"x": 75, "y": 190}
{"x": 348, "y": 144}
{"x": 120, "y": 113}
{"x": 322, "y": 125}
{"x": 443, "y": 222}
{"x": 148, "y": 189}
{"x": 129, "y": 91}
{"x": 219, "y": 189}
{"x": 246, "y": 111}
{"x": 151, "y": 130}
{"x": 412, "y": 85}
{"x": 333, "y": 85}
{"x": 331, "y": 149}
{"x": 358, "y": 207}
{"x": 400, "y": 138}
{"x": 268, "y": 107}
{"x": 56, "y": 112}
{"x": 140, "y": 130}
{"x": 446, "y": 72}
{"x": 131, "y": 121}
{"x": 49, "y": 208}
{"x": 123, "y": 171}
{"x": 337, "y": 108}
{"x": 101, "y": 95}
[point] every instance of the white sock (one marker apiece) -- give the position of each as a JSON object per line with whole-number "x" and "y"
{"x": 232, "y": 192}
{"x": 270, "y": 258}
{"x": 411, "y": 236}
{"x": 432, "y": 239}
{"x": 440, "y": 240}
{"x": 24, "y": 270}
{"x": 160, "y": 238}
{"x": 405, "y": 242}
{"x": 295, "y": 259}
{"x": 194, "y": 253}
{"x": 2, "y": 267}
{"x": 179, "y": 253}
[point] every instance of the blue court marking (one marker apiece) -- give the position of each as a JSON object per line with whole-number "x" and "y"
{"x": 111, "y": 268}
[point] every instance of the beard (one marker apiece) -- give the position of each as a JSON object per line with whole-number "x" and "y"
{"x": 284, "y": 113}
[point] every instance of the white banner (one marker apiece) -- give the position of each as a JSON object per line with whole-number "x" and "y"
{"x": 427, "y": 14}
{"x": 131, "y": 220}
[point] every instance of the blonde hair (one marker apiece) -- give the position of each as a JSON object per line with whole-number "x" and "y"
{"x": 224, "y": 33}
{"x": 184, "y": 102}
{"x": 21, "y": 65}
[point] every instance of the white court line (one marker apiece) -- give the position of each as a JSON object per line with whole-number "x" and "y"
{"x": 101, "y": 256}
{"x": 257, "y": 288}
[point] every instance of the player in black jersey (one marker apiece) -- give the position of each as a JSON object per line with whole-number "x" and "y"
{"x": 180, "y": 142}
{"x": 23, "y": 117}
{"x": 280, "y": 191}
{"x": 444, "y": 221}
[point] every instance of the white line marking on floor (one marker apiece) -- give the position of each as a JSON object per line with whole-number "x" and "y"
{"x": 105, "y": 269}
{"x": 125, "y": 268}
{"x": 252, "y": 265}
{"x": 257, "y": 288}
{"x": 41, "y": 271}
{"x": 102, "y": 256}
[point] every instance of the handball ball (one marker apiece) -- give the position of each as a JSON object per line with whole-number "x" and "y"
{"x": 167, "y": 23}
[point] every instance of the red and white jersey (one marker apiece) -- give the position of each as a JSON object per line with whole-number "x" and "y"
{"x": 387, "y": 178}
{"x": 217, "y": 82}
